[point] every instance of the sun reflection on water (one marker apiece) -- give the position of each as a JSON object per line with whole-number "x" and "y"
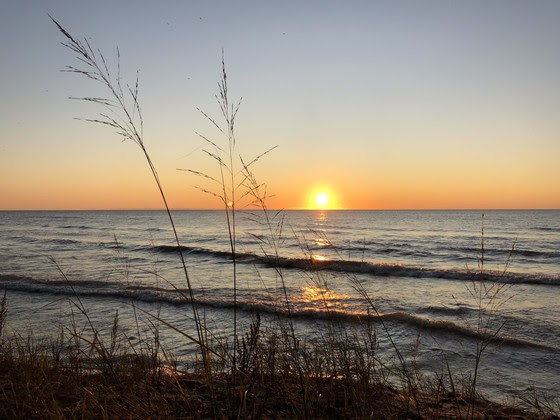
{"x": 322, "y": 296}
{"x": 322, "y": 242}
{"x": 322, "y": 217}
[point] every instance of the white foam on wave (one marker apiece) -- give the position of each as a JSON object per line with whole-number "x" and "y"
{"x": 179, "y": 297}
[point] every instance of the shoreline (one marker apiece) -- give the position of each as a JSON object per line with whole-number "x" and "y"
{"x": 91, "y": 378}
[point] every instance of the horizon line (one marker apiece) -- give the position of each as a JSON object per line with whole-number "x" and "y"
{"x": 297, "y": 209}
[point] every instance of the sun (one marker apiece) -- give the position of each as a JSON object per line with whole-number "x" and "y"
{"x": 322, "y": 200}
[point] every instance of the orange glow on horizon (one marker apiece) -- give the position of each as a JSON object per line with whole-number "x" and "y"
{"x": 87, "y": 189}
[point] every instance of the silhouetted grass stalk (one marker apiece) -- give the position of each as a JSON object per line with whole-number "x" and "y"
{"x": 128, "y": 122}
{"x": 227, "y": 191}
{"x": 253, "y": 188}
{"x": 229, "y": 181}
{"x": 487, "y": 297}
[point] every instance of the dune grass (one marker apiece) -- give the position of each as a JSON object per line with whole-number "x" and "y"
{"x": 343, "y": 378}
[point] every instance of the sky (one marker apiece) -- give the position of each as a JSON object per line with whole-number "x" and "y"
{"x": 387, "y": 104}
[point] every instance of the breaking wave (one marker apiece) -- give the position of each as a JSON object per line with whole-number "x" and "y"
{"x": 179, "y": 297}
{"x": 365, "y": 267}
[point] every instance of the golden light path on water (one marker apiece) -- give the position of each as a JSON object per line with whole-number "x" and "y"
{"x": 321, "y": 297}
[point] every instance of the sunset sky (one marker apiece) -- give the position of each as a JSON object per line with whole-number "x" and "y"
{"x": 378, "y": 104}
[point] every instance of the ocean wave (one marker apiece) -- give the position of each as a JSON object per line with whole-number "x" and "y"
{"x": 546, "y": 229}
{"x": 512, "y": 252}
{"x": 382, "y": 269}
{"x": 179, "y": 297}
{"x": 203, "y": 251}
{"x": 446, "y": 310}
{"x": 89, "y": 288}
{"x": 22, "y": 281}
{"x": 80, "y": 227}
{"x": 463, "y": 330}
{"x": 470, "y": 252}
{"x": 62, "y": 241}
{"x": 436, "y": 248}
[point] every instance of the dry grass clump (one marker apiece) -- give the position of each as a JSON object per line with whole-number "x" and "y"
{"x": 68, "y": 378}
{"x": 37, "y": 386}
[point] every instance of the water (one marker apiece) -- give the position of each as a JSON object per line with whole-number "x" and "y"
{"x": 419, "y": 268}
